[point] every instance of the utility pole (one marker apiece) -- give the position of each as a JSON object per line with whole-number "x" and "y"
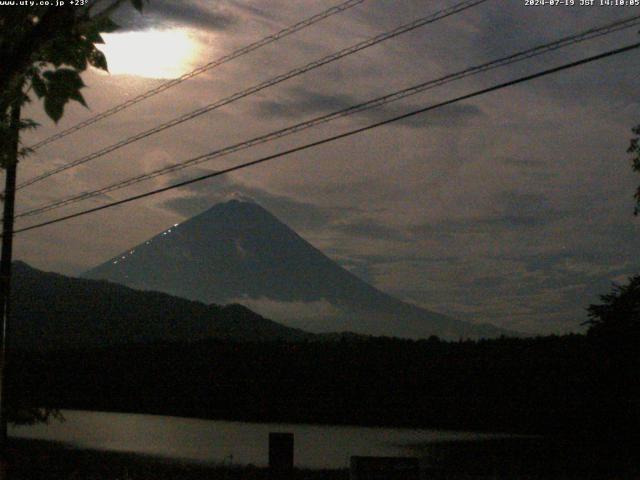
{"x": 11, "y": 167}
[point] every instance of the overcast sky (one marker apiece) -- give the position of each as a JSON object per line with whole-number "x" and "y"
{"x": 514, "y": 208}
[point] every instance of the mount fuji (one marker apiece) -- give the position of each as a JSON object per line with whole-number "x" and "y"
{"x": 238, "y": 252}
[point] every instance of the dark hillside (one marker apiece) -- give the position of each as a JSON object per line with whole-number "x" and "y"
{"x": 53, "y": 311}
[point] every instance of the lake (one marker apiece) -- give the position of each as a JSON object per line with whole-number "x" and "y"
{"x": 242, "y": 443}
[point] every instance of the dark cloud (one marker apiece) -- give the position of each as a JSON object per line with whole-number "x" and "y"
{"x": 369, "y": 229}
{"x": 372, "y": 259}
{"x": 510, "y": 210}
{"x": 532, "y": 164}
{"x": 490, "y": 282}
{"x": 197, "y": 14}
{"x": 255, "y": 10}
{"x": 518, "y": 209}
{"x": 575, "y": 280}
{"x": 535, "y": 170}
{"x": 302, "y": 102}
{"x": 501, "y": 34}
{"x": 457, "y": 115}
{"x": 506, "y": 28}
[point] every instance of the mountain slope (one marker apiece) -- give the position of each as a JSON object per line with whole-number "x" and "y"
{"x": 72, "y": 312}
{"x": 239, "y": 252}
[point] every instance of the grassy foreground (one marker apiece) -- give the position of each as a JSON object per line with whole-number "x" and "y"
{"x": 39, "y": 460}
{"x": 500, "y": 459}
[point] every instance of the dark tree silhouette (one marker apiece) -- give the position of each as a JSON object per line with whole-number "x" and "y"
{"x": 43, "y": 51}
{"x": 614, "y": 333}
{"x": 618, "y": 317}
{"x": 634, "y": 148}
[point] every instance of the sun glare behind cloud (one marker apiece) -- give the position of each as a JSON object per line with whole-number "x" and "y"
{"x": 150, "y": 53}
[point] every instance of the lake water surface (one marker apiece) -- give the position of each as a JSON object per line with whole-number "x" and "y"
{"x": 316, "y": 446}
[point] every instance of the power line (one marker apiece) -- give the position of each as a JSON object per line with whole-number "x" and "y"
{"x": 203, "y": 68}
{"x": 339, "y": 136}
{"x": 377, "y": 102}
{"x": 261, "y": 86}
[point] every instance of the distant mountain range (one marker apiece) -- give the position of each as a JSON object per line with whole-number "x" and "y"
{"x": 237, "y": 252}
{"x": 51, "y": 311}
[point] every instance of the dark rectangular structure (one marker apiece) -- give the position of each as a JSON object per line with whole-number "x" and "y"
{"x": 280, "y": 452}
{"x": 387, "y": 468}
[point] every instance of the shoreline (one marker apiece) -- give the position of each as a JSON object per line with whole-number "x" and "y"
{"x": 42, "y": 459}
{"x": 49, "y": 460}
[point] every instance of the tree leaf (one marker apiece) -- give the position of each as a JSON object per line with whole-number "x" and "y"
{"x": 38, "y": 84}
{"x": 64, "y": 84}
{"x": 77, "y": 96}
{"x": 98, "y": 60}
{"x": 28, "y": 124}
{"x": 54, "y": 106}
{"x": 63, "y": 80}
{"x": 77, "y": 57}
{"x": 96, "y": 38}
{"x": 104, "y": 25}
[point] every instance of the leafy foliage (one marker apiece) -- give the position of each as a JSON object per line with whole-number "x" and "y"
{"x": 44, "y": 49}
{"x": 615, "y": 335}
{"x": 619, "y": 314}
{"x": 33, "y": 415}
{"x": 61, "y": 86}
{"x": 634, "y": 148}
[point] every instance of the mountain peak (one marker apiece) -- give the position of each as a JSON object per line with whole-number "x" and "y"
{"x": 239, "y": 197}
{"x": 233, "y": 205}
{"x": 238, "y": 252}
{"x": 238, "y": 215}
